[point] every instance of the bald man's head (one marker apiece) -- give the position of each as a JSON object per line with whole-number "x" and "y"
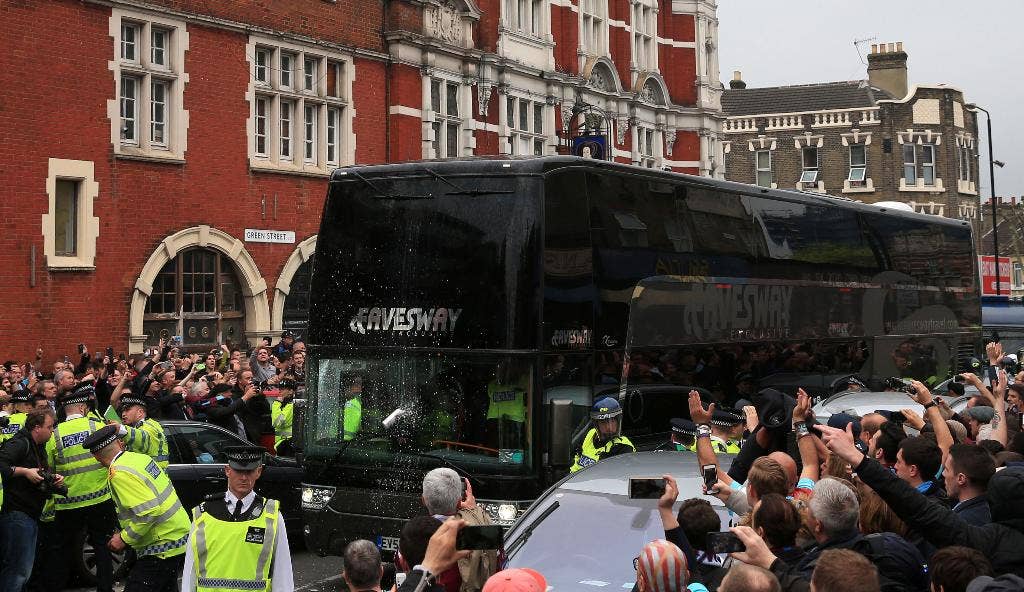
{"x": 788, "y": 465}
{"x": 869, "y": 424}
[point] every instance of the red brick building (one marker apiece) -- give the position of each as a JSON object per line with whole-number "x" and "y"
{"x": 166, "y": 161}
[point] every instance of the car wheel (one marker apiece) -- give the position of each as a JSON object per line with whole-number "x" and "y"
{"x": 83, "y": 565}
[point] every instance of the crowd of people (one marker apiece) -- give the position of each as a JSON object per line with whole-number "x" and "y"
{"x": 82, "y": 451}
{"x": 907, "y": 501}
{"x": 901, "y": 502}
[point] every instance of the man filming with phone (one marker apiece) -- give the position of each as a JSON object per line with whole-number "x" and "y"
{"x": 448, "y": 496}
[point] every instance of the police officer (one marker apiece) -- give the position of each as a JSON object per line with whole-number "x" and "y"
{"x": 153, "y": 523}
{"x": 507, "y": 396}
{"x": 282, "y": 412}
{"x": 352, "y": 408}
{"x": 23, "y": 402}
{"x": 140, "y": 433}
{"x": 87, "y": 505}
{"x": 727, "y": 431}
{"x": 238, "y": 540}
{"x": 683, "y": 437}
{"x": 604, "y": 439}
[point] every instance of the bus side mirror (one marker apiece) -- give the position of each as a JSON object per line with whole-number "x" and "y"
{"x": 561, "y": 432}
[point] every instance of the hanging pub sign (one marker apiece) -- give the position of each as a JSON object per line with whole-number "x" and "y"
{"x": 590, "y": 146}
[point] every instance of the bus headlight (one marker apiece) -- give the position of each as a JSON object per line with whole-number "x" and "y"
{"x": 316, "y": 497}
{"x": 503, "y": 514}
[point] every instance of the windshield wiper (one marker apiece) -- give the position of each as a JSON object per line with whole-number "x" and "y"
{"x": 381, "y": 194}
{"x": 462, "y": 190}
{"x": 521, "y": 540}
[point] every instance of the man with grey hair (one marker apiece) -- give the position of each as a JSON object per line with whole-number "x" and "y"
{"x": 447, "y": 495}
{"x": 363, "y": 570}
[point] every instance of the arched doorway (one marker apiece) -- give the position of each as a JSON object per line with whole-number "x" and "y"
{"x": 291, "y": 294}
{"x": 196, "y": 296}
{"x": 239, "y": 291}
{"x": 296, "y": 303}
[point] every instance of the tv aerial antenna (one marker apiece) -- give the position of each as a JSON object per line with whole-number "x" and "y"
{"x": 858, "y": 42}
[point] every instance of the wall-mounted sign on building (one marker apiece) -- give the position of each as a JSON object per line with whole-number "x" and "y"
{"x": 253, "y": 235}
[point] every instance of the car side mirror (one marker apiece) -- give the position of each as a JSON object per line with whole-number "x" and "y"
{"x": 561, "y": 432}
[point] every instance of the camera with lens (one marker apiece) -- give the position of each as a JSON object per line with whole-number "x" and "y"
{"x": 899, "y": 385}
{"x": 1010, "y": 363}
{"x": 49, "y": 484}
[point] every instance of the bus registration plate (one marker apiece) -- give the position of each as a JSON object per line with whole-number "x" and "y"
{"x": 386, "y": 543}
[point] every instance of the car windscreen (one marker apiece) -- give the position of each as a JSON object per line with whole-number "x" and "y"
{"x": 590, "y": 540}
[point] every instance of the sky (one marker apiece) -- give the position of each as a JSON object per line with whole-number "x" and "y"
{"x": 974, "y": 46}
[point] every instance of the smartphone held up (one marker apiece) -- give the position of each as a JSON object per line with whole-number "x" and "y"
{"x": 646, "y": 487}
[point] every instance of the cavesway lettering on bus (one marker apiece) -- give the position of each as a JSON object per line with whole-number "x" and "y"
{"x": 703, "y": 311}
{"x": 422, "y": 320}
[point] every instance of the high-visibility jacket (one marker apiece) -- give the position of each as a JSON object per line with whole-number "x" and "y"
{"x": 85, "y": 477}
{"x": 17, "y": 421}
{"x": 147, "y": 437}
{"x": 282, "y": 415}
{"x": 352, "y": 413}
{"x": 506, "y": 401}
{"x": 231, "y": 556}
{"x": 590, "y": 453}
{"x": 724, "y": 446}
{"x": 49, "y": 510}
{"x": 151, "y": 517}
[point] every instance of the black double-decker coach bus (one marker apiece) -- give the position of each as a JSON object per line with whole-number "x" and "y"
{"x": 467, "y": 313}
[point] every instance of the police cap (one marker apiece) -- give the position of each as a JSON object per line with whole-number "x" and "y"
{"x": 22, "y": 396}
{"x": 100, "y": 438}
{"x": 684, "y": 427}
{"x": 83, "y": 393}
{"x": 725, "y": 418}
{"x": 130, "y": 399}
{"x": 287, "y": 383}
{"x": 244, "y": 458}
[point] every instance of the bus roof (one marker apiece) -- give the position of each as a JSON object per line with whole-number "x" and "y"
{"x": 537, "y": 165}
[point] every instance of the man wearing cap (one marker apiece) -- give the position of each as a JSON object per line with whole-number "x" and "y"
{"x": 23, "y": 402}
{"x": 238, "y": 539}
{"x": 87, "y": 506}
{"x": 605, "y": 438}
{"x": 152, "y": 521}
{"x": 282, "y": 413}
{"x": 140, "y": 433}
{"x": 683, "y": 437}
{"x": 283, "y": 348}
{"x": 726, "y": 431}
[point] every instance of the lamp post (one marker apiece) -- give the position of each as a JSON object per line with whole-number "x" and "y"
{"x": 992, "y": 187}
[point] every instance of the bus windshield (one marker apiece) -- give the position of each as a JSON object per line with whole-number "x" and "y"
{"x": 396, "y": 408}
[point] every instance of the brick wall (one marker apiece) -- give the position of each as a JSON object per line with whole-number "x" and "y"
{"x": 349, "y": 22}
{"x": 565, "y": 27}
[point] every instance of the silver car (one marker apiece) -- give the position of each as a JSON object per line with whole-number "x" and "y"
{"x": 860, "y": 403}
{"x": 584, "y": 532}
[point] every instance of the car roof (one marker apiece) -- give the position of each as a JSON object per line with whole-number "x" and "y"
{"x": 861, "y": 403}
{"x": 611, "y": 475}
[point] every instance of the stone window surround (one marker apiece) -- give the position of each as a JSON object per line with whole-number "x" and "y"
{"x": 965, "y": 141}
{"x": 757, "y": 144}
{"x": 600, "y": 17}
{"x": 858, "y": 137}
{"x": 177, "y": 116}
{"x": 922, "y": 137}
{"x": 509, "y": 22}
{"x": 651, "y": 34}
{"x": 346, "y": 134}
{"x": 805, "y": 141}
{"x": 87, "y": 225}
{"x": 466, "y": 145}
{"x": 513, "y": 126}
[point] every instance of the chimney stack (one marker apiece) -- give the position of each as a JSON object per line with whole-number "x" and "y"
{"x": 737, "y": 81}
{"x": 887, "y": 68}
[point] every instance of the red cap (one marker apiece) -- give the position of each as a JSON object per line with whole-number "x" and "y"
{"x": 516, "y": 580}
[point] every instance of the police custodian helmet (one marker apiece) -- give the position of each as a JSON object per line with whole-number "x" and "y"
{"x": 606, "y": 408}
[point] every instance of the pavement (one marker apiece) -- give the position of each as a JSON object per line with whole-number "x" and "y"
{"x": 311, "y": 573}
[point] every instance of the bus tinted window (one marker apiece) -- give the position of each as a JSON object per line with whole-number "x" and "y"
{"x": 928, "y": 253}
{"x": 812, "y": 234}
{"x": 568, "y": 263}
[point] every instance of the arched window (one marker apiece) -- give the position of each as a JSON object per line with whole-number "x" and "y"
{"x": 196, "y": 295}
{"x": 296, "y": 304}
